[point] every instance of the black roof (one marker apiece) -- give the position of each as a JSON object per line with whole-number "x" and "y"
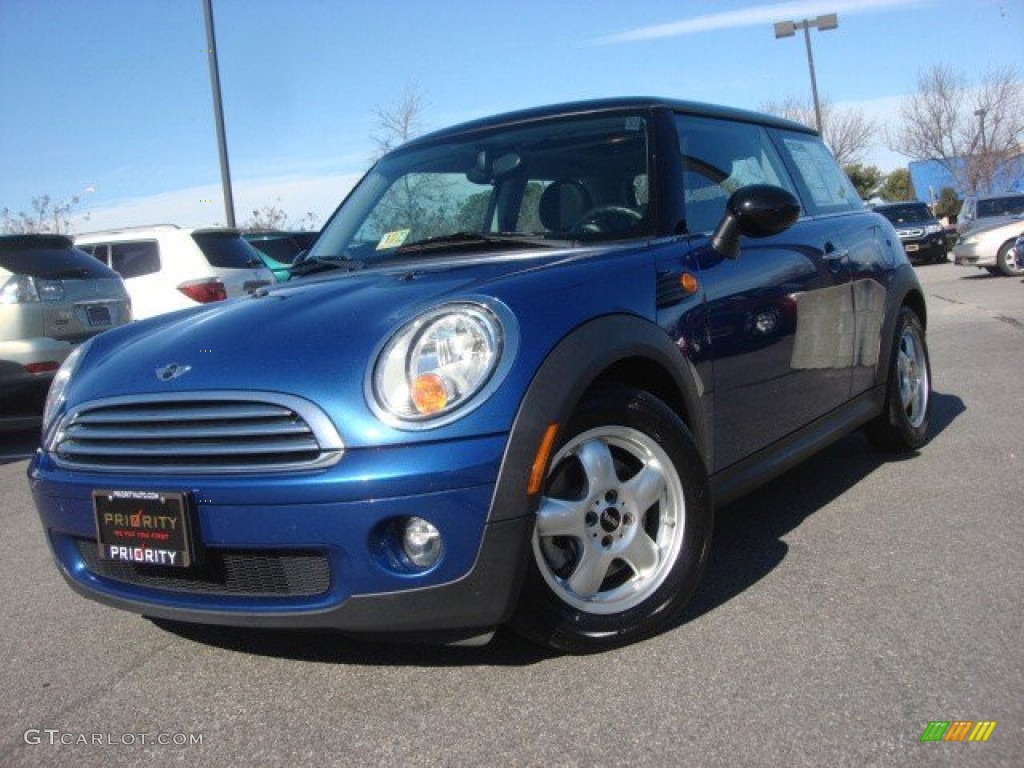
{"x": 608, "y": 105}
{"x": 25, "y": 242}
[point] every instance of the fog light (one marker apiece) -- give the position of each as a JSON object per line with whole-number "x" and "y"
{"x": 421, "y": 542}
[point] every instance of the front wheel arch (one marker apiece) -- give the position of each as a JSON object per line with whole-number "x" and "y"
{"x": 609, "y": 349}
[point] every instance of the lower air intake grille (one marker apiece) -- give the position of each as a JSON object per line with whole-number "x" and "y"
{"x": 209, "y": 432}
{"x": 240, "y": 572}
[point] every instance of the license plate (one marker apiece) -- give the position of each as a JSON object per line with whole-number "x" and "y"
{"x": 98, "y": 315}
{"x": 145, "y": 527}
{"x": 911, "y": 247}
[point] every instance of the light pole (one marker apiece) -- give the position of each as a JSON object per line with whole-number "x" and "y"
{"x": 789, "y": 28}
{"x": 218, "y": 114}
{"x": 980, "y": 114}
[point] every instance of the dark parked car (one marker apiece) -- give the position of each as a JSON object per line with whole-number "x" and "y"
{"x": 52, "y": 297}
{"x": 280, "y": 249}
{"x": 922, "y": 235}
{"x": 530, "y": 355}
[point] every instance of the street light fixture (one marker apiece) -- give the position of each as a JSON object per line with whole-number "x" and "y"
{"x": 789, "y": 28}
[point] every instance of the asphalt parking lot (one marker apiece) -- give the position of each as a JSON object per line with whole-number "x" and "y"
{"x": 847, "y": 605}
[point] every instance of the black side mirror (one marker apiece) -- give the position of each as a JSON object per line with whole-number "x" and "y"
{"x": 757, "y": 210}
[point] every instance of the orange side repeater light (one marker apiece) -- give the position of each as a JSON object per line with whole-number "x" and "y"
{"x": 540, "y": 461}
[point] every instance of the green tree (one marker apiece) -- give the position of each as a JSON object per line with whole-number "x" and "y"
{"x": 948, "y": 205}
{"x": 866, "y": 178}
{"x": 897, "y": 186}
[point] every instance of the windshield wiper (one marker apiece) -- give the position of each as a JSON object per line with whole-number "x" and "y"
{"x": 324, "y": 263}
{"x": 470, "y": 238}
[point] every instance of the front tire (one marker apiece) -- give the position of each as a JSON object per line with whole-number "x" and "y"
{"x": 623, "y": 528}
{"x": 903, "y": 425}
{"x": 1006, "y": 261}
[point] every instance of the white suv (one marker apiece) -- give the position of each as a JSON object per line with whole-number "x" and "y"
{"x": 167, "y": 268}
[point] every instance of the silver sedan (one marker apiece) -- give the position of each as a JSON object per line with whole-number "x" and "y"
{"x": 991, "y": 248}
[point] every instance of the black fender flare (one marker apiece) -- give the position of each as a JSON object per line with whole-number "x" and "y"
{"x": 569, "y": 370}
{"x": 905, "y": 286}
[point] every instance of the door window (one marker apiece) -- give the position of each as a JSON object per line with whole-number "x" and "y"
{"x": 719, "y": 157}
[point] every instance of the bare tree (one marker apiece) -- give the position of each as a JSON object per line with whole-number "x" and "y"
{"x": 970, "y": 131}
{"x": 401, "y": 121}
{"x": 847, "y": 132}
{"x": 275, "y": 218}
{"x": 47, "y": 216}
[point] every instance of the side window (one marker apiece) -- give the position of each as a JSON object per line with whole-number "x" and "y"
{"x": 719, "y": 157}
{"x": 528, "y": 217}
{"x": 98, "y": 252}
{"x": 823, "y": 182}
{"x": 135, "y": 259}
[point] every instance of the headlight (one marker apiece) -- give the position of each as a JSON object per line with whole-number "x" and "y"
{"x": 438, "y": 363}
{"x": 55, "y": 396}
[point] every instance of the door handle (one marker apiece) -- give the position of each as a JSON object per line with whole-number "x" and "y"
{"x": 831, "y": 253}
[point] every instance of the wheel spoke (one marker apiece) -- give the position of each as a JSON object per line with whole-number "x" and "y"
{"x": 586, "y": 580}
{"x": 642, "y": 554}
{"x": 598, "y": 465}
{"x": 645, "y": 488}
{"x": 560, "y": 517}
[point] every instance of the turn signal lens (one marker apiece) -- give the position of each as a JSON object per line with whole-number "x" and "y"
{"x": 429, "y": 393}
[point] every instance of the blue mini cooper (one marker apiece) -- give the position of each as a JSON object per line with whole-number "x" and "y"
{"x": 523, "y": 363}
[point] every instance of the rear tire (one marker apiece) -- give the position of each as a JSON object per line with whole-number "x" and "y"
{"x": 903, "y": 425}
{"x": 623, "y": 528}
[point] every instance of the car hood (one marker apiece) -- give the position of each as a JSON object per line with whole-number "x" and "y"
{"x": 315, "y": 338}
{"x": 984, "y": 226}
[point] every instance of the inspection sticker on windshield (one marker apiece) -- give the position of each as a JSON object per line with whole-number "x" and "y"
{"x": 393, "y": 239}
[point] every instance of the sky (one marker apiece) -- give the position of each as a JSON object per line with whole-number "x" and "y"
{"x": 110, "y": 100}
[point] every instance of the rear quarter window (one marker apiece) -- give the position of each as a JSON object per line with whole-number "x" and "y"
{"x": 824, "y": 186}
{"x": 135, "y": 259}
{"x": 226, "y": 250}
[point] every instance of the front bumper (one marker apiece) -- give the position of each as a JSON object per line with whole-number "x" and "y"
{"x": 930, "y": 248}
{"x": 22, "y": 393}
{"x": 311, "y": 550}
{"x": 973, "y": 255}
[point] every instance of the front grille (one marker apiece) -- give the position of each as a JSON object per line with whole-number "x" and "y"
{"x": 239, "y": 572}
{"x": 906, "y": 234}
{"x": 209, "y": 432}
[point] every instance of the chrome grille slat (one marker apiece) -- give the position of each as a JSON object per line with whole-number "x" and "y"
{"x": 197, "y": 412}
{"x": 189, "y": 448}
{"x": 171, "y": 431}
{"x": 205, "y": 432}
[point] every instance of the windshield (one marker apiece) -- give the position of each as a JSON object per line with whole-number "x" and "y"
{"x": 577, "y": 179}
{"x": 907, "y": 214}
{"x": 1011, "y": 205}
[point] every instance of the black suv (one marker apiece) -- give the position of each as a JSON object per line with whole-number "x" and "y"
{"x": 920, "y": 232}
